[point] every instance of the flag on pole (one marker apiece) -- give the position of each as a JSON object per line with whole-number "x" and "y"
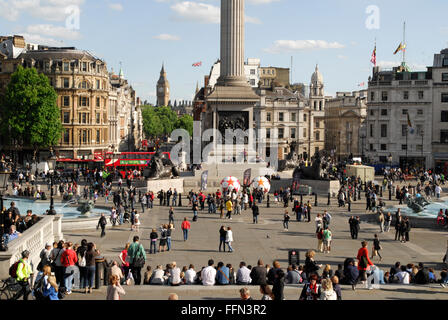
{"x": 401, "y": 47}
{"x": 197, "y": 64}
{"x": 362, "y": 84}
{"x": 410, "y": 128}
{"x": 373, "y": 59}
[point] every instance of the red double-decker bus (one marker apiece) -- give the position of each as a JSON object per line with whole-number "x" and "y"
{"x": 129, "y": 161}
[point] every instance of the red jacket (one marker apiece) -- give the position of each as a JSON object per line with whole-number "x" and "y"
{"x": 69, "y": 258}
{"x": 363, "y": 252}
{"x": 185, "y": 225}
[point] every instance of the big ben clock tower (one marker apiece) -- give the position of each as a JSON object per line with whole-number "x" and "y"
{"x": 163, "y": 89}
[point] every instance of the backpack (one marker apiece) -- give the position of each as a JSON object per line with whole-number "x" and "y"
{"x": 13, "y": 269}
{"x": 38, "y": 290}
{"x": 82, "y": 259}
{"x": 163, "y": 234}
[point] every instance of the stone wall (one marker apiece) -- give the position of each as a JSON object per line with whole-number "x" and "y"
{"x": 157, "y": 185}
{"x": 47, "y": 230}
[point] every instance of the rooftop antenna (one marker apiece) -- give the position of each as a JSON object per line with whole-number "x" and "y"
{"x": 404, "y": 42}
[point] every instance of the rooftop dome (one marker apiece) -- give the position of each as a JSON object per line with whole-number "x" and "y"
{"x": 317, "y": 76}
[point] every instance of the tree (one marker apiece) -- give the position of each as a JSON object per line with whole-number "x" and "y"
{"x": 30, "y": 115}
{"x": 185, "y": 122}
{"x": 152, "y": 125}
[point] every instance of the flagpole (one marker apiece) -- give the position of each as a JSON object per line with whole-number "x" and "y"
{"x": 404, "y": 42}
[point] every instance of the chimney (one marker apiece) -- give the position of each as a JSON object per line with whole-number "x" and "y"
{"x": 206, "y": 81}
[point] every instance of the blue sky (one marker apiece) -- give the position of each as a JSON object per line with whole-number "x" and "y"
{"x": 144, "y": 33}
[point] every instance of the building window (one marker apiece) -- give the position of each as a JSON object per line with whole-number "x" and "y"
{"x": 384, "y": 96}
{"x": 404, "y": 111}
{"x": 104, "y": 117}
{"x": 98, "y": 102}
{"x": 304, "y": 133}
{"x": 444, "y": 116}
{"x": 84, "y": 118}
{"x": 404, "y": 147}
{"x": 281, "y": 117}
{"x": 66, "y": 82}
{"x": 372, "y": 96}
{"x": 98, "y": 86}
{"x": 98, "y": 118}
{"x": 444, "y": 76}
{"x": 97, "y": 136}
{"x": 421, "y": 95}
{"x": 317, "y": 136}
{"x": 384, "y": 112}
{"x": 317, "y": 123}
{"x": 66, "y": 101}
{"x": 268, "y": 133}
{"x": 252, "y": 71}
{"x": 371, "y": 147}
{"x": 445, "y": 97}
{"x": 66, "y": 136}
{"x": 384, "y": 131}
{"x": 268, "y": 116}
{"x": 281, "y": 133}
{"x": 84, "y": 136}
{"x": 66, "y": 66}
{"x": 84, "y": 67}
{"x": 420, "y": 112}
{"x": 320, "y": 105}
{"x": 371, "y": 131}
{"x": 252, "y": 82}
{"x": 293, "y": 117}
{"x": 419, "y": 130}
{"x": 84, "y": 101}
{"x": 83, "y": 85}
{"x": 293, "y": 133}
{"x": 404, "y": 130}
{"x": 419, "y": 147}
{"x": 384, "y": 147}
{"x": 445, "y": 62}
{"x": 444, "y": 136}
{"x": 372, "y": 112}
{"x": 405, "y": 95}
{"x": 304, "y": 117}
{"x": 315, "y": 105}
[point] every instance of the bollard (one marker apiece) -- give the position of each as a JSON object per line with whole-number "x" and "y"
{"x": 301, "y": 199}
{"x": 359, "y": 194}
{"x": 329, "y": 196}
{"x": 315, "y": 199}
{"x": 180, "y": 199}
{"x": 354, "y": 193}
{"x": 106, "y": 272}
{"x": 381, "y": 191}
{"x": 267, "y": 202}
{"x": 349, "y": 207}
{"x": 99, "y": 271}
{"x": 390, "y": 194}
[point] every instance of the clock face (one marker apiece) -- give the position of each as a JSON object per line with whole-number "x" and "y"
{"x": 161, "y": 90}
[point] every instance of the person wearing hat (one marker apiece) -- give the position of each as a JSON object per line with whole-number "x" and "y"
{"x": 23, "y": 273}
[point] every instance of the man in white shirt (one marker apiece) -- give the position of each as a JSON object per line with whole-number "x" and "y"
{"x": 403, "y": 276}
{"x": 208, "y": 274}
{"x": 190, "y": 275}
{"x": 243, "y": 274}
{"x": 438, "y": 190}
{"x": 174, "y": 278}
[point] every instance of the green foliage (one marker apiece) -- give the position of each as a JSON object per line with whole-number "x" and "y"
{"x": 30, "y": 115}
{"x": 185, "y": 122}
{"x": 159, "y": 121}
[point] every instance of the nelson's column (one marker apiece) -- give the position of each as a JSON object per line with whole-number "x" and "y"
{"x": 230, "y": 105}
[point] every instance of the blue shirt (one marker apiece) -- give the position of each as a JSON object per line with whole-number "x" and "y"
{"x": 221, "y": 275}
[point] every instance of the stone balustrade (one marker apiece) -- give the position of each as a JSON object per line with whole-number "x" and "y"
{"x": 47, "y": 230}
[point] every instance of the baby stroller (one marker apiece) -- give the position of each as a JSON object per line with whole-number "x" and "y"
{"x": 127, "y": 216}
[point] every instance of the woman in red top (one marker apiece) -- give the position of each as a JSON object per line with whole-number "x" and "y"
{"x": 124, "y": 263}
{"x": 363, "y": 261}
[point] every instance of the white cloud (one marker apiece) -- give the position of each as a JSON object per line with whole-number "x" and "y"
{"x": 116, "y": 6}
{"x": 288, "y": 46}
{"x": 35, "y": 38}
{"x": 342, "y": 57}
{"x": 53, "y": 31}
{"x": 201, "y": 12}
{"x": 50, "y": 10}
{"x": 166, "y": 37}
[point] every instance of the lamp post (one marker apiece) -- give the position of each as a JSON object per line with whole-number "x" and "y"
{"x": 52, "y": 168}
{"x": 4, "y": 176}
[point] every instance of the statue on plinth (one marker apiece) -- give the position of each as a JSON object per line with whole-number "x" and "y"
{"x": 160, "y": 167}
